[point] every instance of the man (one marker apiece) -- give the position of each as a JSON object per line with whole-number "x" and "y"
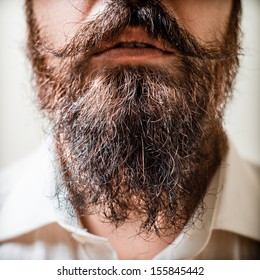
{"x": 141, "y": 167}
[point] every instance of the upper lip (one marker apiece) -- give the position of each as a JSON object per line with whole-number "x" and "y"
{"x": 137, "y": 37}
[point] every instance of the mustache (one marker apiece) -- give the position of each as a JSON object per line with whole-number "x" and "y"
{"x": 152, "y": 16}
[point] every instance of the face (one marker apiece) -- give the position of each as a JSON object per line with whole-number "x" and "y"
{"x": 135, "y": 91}
{"x": 60, "y": 21}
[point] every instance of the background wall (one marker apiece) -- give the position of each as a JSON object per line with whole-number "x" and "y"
{"x": 20, "y": 123}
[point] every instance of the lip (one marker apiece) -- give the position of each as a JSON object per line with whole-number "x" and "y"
{"x": 129, "y": 54}
{"x": 109, "y": 52}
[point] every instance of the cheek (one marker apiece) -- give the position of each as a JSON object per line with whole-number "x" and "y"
{"x": 205, "y": 19}
{"x": 60, "y": 19}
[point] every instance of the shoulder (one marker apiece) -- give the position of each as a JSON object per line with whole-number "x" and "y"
{"x": 25, "y": 191}
{"x": 26, "y": 171}
{"x": 238, "y": 204}
{"x": 225, "y": 245}
{"x": 11, "y": 176}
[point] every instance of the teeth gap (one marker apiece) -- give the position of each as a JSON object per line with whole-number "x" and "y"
{"x": 133, "y": 45}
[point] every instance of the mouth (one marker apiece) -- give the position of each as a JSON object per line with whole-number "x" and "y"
{"x": 131, "y": 47}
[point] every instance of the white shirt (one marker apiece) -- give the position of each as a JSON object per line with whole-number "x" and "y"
{"x": 32, "y": 226}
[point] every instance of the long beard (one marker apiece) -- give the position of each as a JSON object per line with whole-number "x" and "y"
{"x": 137, "y": 143}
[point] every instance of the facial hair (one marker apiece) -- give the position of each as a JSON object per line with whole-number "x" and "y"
{"x": 136, "y": 142}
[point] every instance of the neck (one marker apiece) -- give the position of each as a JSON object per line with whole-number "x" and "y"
{"x": 126, "y": 237}
{"x": 125, "y": 240}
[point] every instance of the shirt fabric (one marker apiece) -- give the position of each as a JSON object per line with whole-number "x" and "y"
{"x": 33, "y": 226}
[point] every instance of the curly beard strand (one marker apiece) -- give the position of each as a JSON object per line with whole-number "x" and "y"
{"x": 137, "y": 143}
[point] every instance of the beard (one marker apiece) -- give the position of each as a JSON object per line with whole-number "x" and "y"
{"x": 136, "y": 142}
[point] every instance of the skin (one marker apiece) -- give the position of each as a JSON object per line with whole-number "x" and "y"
{"x": 60, "y": 20}
{"x": 206, "y": 20}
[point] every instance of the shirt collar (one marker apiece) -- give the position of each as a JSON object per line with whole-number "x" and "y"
{"x": 28, "y": 203}
{"x": 238, "y": 203}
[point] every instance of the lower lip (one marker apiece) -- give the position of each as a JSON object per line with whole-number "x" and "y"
{"x": 129, "y": 54}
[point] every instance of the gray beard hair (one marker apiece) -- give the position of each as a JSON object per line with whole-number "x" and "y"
{"x": 137, "y": 144}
